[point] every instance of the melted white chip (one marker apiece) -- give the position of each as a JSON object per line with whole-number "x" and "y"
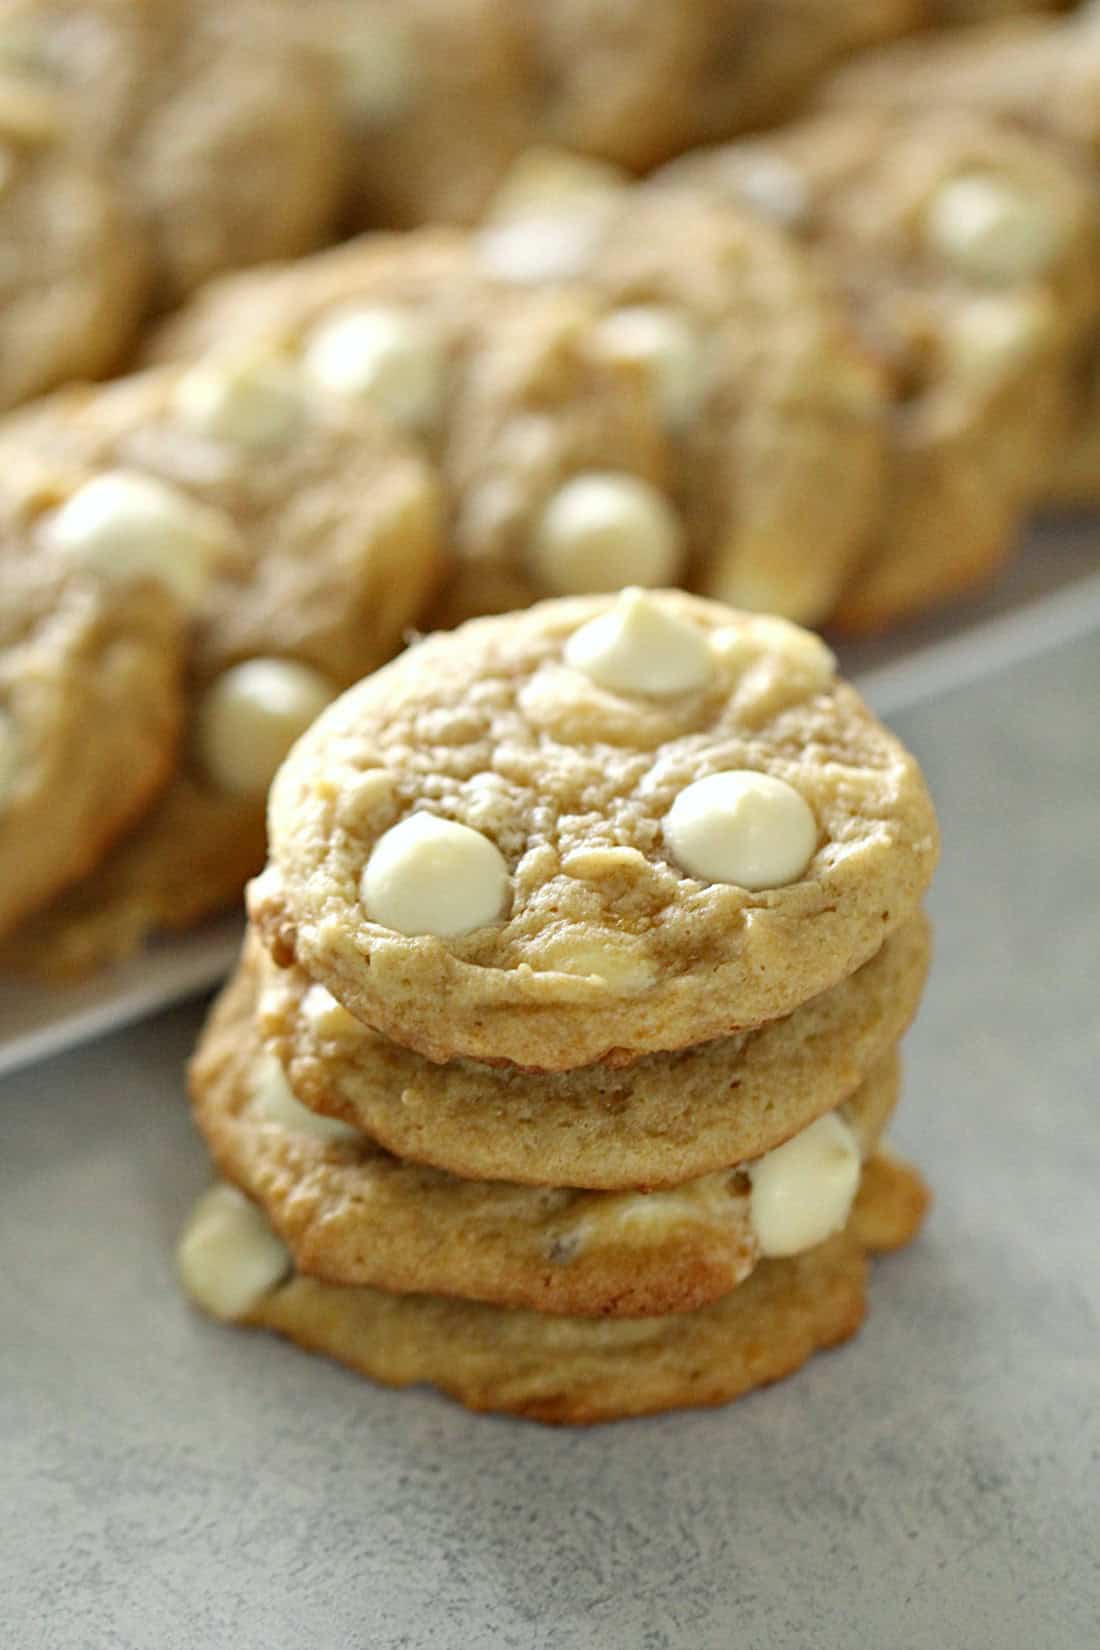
{"x": 664, "y": 345}
{"x": 228, "y": 1257}
{"x": 638, "y": 646}
{"x": 603, "y": 530}
{"x": 382, "y": 356}
{"x": 993, "y": 229}
{"x": 250, "y": 401}
{"x": 328, "y": 1018}
{"x": 124, "y": 525}
{"x": 432, "y": 876}
{"x": 545, "y": 246}
{"x": 249, "y": 717}
{"x": 276, "y": 1102}
{"x": 744, "y": 828}
{"x": 803, "y": 1191}
{"x": 740, "y": 646}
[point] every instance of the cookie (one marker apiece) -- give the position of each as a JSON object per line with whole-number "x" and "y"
{"x": 90, "y": 703}
{"x": 967, "y": 251}
{"x": 557, "y": 1369}
{"x": 319, "y": 540}
{"x": 353, "y": 1213}
{"x": 531, "y": 821}
{"x": 664, "y": 1119}
{"x": 438, "y": 98}
{"x": 434, "y": 100}
{"x": 222, "y": 134}
{"x": 579, "y": 355}
{"x": 1040, "y": 74}
{"x": 73, "y": 270}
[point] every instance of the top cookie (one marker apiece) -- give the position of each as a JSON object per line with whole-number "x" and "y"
{"x": 499, "y": 847}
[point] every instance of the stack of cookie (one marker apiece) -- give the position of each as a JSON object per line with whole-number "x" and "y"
{"x": 557, "y": 1063}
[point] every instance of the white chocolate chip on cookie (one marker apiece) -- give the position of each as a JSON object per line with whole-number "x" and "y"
{"x": 251, "y": 401}
{"x": 551, "y": 246}
{"x": 124, "y": 525}
{"x": 250, "y": 716}
{"x": 744, "y": 828}
{"x": 433, "y": 876}
{"x": 640, "y": 647}
{"x": 382, "y": 356}
{"x": 602, "y": 531}
{"x": 803, "y": 1191}
{"x": 665, "y": 346}
{"x": 328, "y": 1018}
{"x": 739, "y": 646}
{"x": 228, "y": 1256}
{"x": 994, "y": 337}
{"x": 991, "y": 228}
{"x": 275, "y": 1102}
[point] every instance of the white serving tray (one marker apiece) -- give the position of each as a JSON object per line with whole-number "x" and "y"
{"x": 1051, "y": 594}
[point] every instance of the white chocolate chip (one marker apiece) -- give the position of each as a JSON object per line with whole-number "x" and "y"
{"x": 664, "y": 345}
{"x": 329, "y": 1019}
{"x": 249, "y": 717}
{"x": 772, "y": 186}
{"x": 555, "y": 246}
{"x": 803, "y": 1191}
{"x": 602, "y": 531}
{"x": 251, "y": 401}
{"x": 638, "y": 646}
{"x": 994, "y": 337}
{"x": 123, "y": 525}
{"x": 228, "y": 1256}
{"x": 743, "y": 828}
{"x": 622, "y": 969}
{"x": 275, "y": 1102}
{"x": 9, "y": 756}
{"x": 382, "y": 356}
{"x": 739, "y": 646}
{"x": 432, "y": 876}
{"x": 543, "y": 179}
{"x": 993, "y": 229}
{"x": 377, "y": 71}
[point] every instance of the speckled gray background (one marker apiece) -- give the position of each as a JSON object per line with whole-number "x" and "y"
{"x": 935, "y": 1485}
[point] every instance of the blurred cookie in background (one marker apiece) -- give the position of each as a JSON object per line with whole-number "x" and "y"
{"x": 73, "y": 261}
{"x": 966, "y": 251}
{"x": 319, "y": 538}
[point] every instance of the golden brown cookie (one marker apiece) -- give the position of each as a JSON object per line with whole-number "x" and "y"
{"x": 1043, "y": 75}
{"x": 664, "y": 1119}
{"x": 567, "y": 354}
{"x": 90, "y": 705}
{"x": 222, "y": 133}
{"x": 967, "y": 251}
{"x": 351, "y": 1212}
{"x": 566, "y": 1369}
{"x": 591, "y": 831}
{"x": 311, "y": 535}
{"x": 73, "y": 264}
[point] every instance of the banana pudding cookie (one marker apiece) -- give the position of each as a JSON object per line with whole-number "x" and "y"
{"x": 663, "y": 1119}
{"x": 73, "y": 264}
{"x": 548, "y": 1368}
{"x": 307, "y": 538}
{"x": 353, "y": 1213}
{"x": 967, "y": 251}
{"x": 222, "y": 134}
{"x": 90, "y": 698}
{"x": 595, "y": 830}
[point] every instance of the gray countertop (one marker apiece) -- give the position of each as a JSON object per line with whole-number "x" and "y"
{"x": 167, "y": 1483}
